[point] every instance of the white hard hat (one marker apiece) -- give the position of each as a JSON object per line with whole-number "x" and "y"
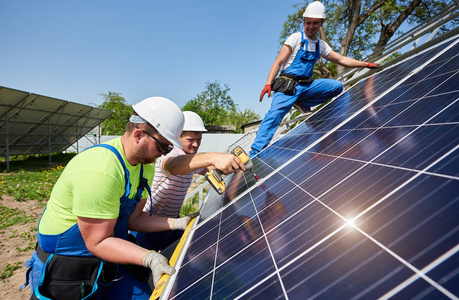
{"x": 164, "y": 115}
{"x": 315, "y": 10}
{"x": 193, "y": 122}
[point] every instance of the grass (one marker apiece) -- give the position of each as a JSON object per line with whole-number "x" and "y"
{"x": 35, "y": 161}
{"x": 13, "y": 216}
{"x": 192, "y": 205}
{"x": 9, "y": 269}
{"x": 31, "y": 177}
{"x": 10, "y": 217}
{"x": 25, "y": 185}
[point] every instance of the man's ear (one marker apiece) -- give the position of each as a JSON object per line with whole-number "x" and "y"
{"x": 137, "y": 133}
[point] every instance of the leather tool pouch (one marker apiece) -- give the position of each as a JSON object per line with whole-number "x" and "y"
{"x": 69, "y": 278}
{"x": 284, "y": 84}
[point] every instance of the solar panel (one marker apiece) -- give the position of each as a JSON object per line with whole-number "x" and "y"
{"x": 35, "y": 124}
{"x": 361, "y": 199}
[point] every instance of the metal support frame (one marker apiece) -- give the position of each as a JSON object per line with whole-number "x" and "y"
{"x": 77, "y": 137}
{"x": 36, "y": 124}
{"x": 200, "y": 190}
{"x": 49, "y": 141}
{"x": 7, "y": 154}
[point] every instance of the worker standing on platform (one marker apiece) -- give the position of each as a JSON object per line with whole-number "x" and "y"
{"x": 294, "y": 85}
{"x": 83, "y": 246}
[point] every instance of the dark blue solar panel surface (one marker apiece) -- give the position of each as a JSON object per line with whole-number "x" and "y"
{"x": 361, "y": 200}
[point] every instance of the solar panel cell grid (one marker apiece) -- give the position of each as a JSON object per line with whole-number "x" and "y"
{"x": 448, "y": 166}
{"x": 362, "y": 200}
{"x": 327, "y": 270}
{"x": 242, "y": 271}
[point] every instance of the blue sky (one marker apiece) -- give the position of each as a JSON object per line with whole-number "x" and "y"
{"x": 76, "y": 50}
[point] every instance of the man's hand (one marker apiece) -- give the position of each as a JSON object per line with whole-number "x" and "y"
{"x": 266, "y": 89}
{"x": 373, "y": 66}
{"x": 182, "y": 223}
{"x": 158, "y": 265}
{"x": 227, "y": 162}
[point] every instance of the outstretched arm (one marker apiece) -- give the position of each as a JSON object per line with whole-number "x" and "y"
{"x": 348, "y": 62}
{"x": 185, "y": 164}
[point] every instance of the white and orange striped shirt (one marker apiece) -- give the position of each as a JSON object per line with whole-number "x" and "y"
{"x": 167, "y": 190}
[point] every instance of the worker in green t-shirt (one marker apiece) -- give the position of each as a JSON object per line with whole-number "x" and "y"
{"x": 84, "y": 249}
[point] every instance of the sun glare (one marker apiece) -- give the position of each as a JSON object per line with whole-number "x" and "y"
{"x": 350, "y": 222}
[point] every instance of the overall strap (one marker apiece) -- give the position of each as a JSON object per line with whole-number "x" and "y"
{"x": 127, "y": 186}
{"x": 318, "y": 49}
{"x": 304, "y": 42}
{"x": 143, "y": 184}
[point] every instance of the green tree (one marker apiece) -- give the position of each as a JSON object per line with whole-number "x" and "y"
{"x": 358, "y": 28}
{"x": 116, "y": 124}
{"x": 216, "y": 107}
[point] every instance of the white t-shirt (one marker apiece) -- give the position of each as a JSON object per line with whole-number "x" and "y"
{"x": 168, "y": 191}
{"x": 294, "y": 41}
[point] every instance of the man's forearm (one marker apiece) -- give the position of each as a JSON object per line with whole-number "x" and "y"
{"x": 146, "y": 223}
{"x": 120, "y": 251}
{"x": 273, "y": 72}
{"x": 185, "y": 164}
{"x": 352, "y": 63}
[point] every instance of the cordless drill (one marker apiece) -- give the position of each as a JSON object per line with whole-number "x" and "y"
{"x": 215, "y": 176}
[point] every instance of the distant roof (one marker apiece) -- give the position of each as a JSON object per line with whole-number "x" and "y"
{"x": 220, "y": 128}
{"x": 34, "y": 124}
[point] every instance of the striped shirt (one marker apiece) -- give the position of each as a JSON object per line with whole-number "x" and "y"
{"x": 168, "y": 191}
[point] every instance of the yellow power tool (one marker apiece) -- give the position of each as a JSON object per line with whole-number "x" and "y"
{"x": 215, "y": 176}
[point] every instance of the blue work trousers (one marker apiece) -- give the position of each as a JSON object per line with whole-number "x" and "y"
{"x": 315, "y": 93}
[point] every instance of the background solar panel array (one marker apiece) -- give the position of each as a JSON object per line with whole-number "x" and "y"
{"x": 361, "y": 200}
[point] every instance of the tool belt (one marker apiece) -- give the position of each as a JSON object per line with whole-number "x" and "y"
{"x": 286, "y": 83}
{"x": 77, "y": 277}
{"x": 67, "y": 277}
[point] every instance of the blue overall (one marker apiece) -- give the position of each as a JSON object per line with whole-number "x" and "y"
{"x": 71, "y": 243}
{"x": 310, "y": 94}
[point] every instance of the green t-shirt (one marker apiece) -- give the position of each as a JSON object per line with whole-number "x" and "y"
{"x": 91, "y": 186}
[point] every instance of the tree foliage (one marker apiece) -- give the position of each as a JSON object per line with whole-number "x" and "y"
{"x": 216, "y": 107}
{"x": 116, "y": 124}
{"x": 358, "y": 28}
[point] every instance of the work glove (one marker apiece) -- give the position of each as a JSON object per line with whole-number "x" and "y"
{"x": 266, "y": 89}
{"x": 182, "y": 223}
{"x": 158, "y": 265}
{"x": 373, "y": 66}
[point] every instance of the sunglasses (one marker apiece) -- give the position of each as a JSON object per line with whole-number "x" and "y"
{"x": 162, "y": 148}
